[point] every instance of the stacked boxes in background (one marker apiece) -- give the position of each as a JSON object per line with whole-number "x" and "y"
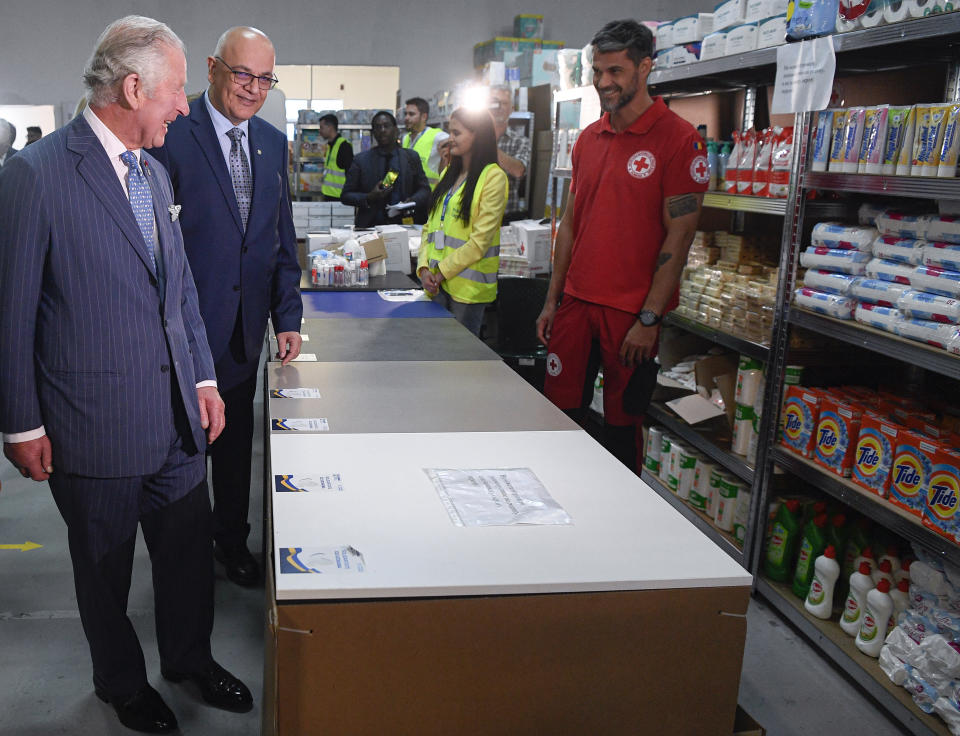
{"x": 887, "y": 444}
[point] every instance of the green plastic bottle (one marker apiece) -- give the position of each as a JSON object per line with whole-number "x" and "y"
{"x": 858, "y": 539}
{"x": 811, "y": 547}
{"x": 837, "y": 531}
{"x": 784, "y": 537}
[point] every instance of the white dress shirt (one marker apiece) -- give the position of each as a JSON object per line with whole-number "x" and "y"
{"x": 114, "y": 148}
{"x": 222, "y": 126}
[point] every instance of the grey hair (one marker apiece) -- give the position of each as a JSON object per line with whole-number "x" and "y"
{"x": 619, "y": 35}
{"x": 11, "y": 131}
{"x": 131, "y": 45}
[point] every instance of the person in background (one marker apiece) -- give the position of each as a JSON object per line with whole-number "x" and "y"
{"x": 33, "y": 135}
{"x": 368, "y": 188}
{"x": 115, "y": 400}
{"x": 513, "y": 150}
{"x": 339, "y": 158}
{"x": 8, "y": 134}
{"x": 229, "y": 172}
{"x": 638, "y": 179}
{"x": 460, "y": 255}
{"x": 428, "y": 142}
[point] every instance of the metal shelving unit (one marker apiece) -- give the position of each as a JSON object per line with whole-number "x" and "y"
{"x": 703, "y": 441}
{"x": 746, "y": 347}
{"x": 744, "y": 203}
{"x": 899, "y": 186}
{"x": 724, "y": 540}
{"x": 299, "y": 161}
{"x": 877, "y": 341}
{"x": 869, "y": 504}
{"x": 864, "y": 670}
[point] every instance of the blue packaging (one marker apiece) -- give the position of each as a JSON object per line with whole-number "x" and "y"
{"x": 809, "y": 18}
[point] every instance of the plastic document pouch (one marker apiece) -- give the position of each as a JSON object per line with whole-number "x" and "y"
{"x": 495, "y": 497}
{"x": 320, "y": 560}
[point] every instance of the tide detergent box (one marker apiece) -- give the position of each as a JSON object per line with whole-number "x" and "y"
{"x": 836, "y": 439}
{"x": 911, "y": 469}
{"x": 873, "y": 456}
{"x": 801, "y": 412}
{"x": 943, "y": 493}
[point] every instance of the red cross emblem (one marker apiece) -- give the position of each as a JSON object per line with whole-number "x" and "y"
{"x": 641, "y": 164}
{"x": 554, "y": 366}
{"x": 700, "y": 170}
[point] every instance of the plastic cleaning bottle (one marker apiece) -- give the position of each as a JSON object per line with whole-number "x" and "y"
{"x": 712, "y": 164}
{"x": 819, "y": 600}
{"x": 857, "y": 540}
{"x": 723, "y": 158}
{"x": 837, "y": 532}
{"x": 893, "y": 556}
{"x": 866, "y": 555}
{"x": 901, "y": 601}
{"x": 883, "y": 572}
{"x": 860, "y": 584}
{"x": 873, "y": 625}
{"x": 784, "y": 537}
{"x": 903, "y": 573}
{"x": 811, "y": 547}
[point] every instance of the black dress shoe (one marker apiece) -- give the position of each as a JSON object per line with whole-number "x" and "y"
{"x": 143, "y": 711}
{"x": 217, "y": 686}
{"x": 240, "y": 565}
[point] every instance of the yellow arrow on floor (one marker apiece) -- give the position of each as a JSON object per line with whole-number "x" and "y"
{"x": 25, "y": 547}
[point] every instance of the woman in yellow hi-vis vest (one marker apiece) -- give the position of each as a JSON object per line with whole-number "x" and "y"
{"x": 460, "y": 254}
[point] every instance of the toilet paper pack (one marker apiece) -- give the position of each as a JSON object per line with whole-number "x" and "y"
{"x": 897, "y": 273}
{"x": 901, "y": 250}
{"x": 832, "y": 305}
{"x": 887, "y": 319}
{"x": 942, "y": 228}
{"x": 876, "y": 291}
{"x": 936, "y": 334}
{"x": 923, "y": 306}
{"x": 944, "y": 255}
{"x": 829, "y": 281}
{"x": 936, "y": 280}
{"x": 835, "y": 259}
{"x": 844, "y": 237}
{"x": 904, "y": 225}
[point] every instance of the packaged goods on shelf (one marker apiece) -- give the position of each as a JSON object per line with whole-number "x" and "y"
{"x": 845, "y": 237}
{"x": 879, "y": 317}
{"x": 942, "y": 229}
{"x": 801, "y": 413}
{"x": 692, "y": 28}
{"x": 664, "y": 35}
{"x": 495, "y": 48}
{"x": 828, "y": 281}
{"x": 780, "y": 158}
{"x": 944, "y": 255}
{"x": 713, "y": 46}
{"x": 771, "y": 31}
{"x": 835, "y": 259}
{"x": 920, "y": 305}
{"x": 872, "y": 147}
{"x": 936, "y": 334}
{"x": 832, "y": 305}
{"x": 742, "y": 38}
{"x": 528, "y": 25}
{"x": 853, "y": 127}
{"x": 728, "y": 13}
{"x": 903, "y": 225}
{"x": 873, "y": 457}
{"x": 837, "y": 431}
{"x": 931, "y": 124}
{"x": 898, "y": 273}
{"x": 687, "y": 53}
{"x": 910, "y": 473}
{"x": 901, "y": 250}
{"x": 936, "y": 280}
{"x": 868, "y": 212}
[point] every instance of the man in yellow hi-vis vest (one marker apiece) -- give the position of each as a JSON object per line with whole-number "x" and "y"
{"x": 339, "y": 158}
{"x": 427, "y": 142}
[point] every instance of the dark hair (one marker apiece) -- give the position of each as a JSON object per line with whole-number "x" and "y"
{"x": 381, "y": 114}
{"x": 620, "y": 35}
{"x": 484, "y": 153}
{"x": 421, "y": 104}
{"x": 331, "y": 119}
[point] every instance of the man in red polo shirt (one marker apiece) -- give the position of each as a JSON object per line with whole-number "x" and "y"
{"x": 635, "y": 196}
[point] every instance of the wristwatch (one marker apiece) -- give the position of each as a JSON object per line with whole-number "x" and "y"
{"x": 649, "y": 318}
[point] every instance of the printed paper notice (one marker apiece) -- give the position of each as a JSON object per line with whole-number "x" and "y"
{"x": 321, "y": 560}
{"x": 305, "y": 358}
{"x": 307, "y": 483}
{"x": 402, "y": 295}
{"x": 319, "y": 424}
{"x": 294, "y": 393}
{"x": 495, "y": 497}
{"x": 804, "y": 76}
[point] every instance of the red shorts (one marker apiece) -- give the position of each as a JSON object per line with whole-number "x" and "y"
{"x": 577, "y": 327}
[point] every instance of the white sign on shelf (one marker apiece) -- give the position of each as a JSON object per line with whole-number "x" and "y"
{"x": 804, "y": 76}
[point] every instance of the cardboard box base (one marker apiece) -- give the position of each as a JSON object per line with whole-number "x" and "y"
{"x": 623, "y": 662}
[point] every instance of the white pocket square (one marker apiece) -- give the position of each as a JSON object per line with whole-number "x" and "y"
{"x": 174, "y": 211}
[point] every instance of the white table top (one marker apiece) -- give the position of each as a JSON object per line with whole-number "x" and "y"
{"x": 623, "y": 536}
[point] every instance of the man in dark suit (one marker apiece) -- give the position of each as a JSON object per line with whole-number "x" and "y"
{"x": 107, "y": 385}
{"x": 229, "y": 171}
{"x": 365, "y": 188}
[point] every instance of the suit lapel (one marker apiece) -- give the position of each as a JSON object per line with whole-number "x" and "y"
{"x": 161, "y": 214}
{"x": 258, "y": 167}
{"x": 206, "y": 138}
{"x": 96, "y": 170}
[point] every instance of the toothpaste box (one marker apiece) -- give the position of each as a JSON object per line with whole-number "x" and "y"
{"x": 942, "y": 494}
{"x": 873, "y": 457}
{"x": 837, "y": 430}
{"x": 910, "y": 471}
{"x": 801, "y": 414}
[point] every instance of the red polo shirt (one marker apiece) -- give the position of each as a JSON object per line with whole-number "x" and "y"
{"x": 620, "y": 181}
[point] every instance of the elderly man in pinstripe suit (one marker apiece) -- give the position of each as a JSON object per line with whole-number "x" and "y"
{"x": 107, "y": 386}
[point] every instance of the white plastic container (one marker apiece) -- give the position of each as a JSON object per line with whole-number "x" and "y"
{"x": 903, "y": 573}
{"x": 892, "y": 556}
{"x": 883, "y": 571}
{"x": 873, "y": 626}
{"x": 819, "y": 600}
{"x": 860, "y": 584}
{"x": 901, "y": 601}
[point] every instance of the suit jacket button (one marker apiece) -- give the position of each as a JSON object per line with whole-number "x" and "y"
{"x": 153, "y": 281}
{"x": 245, "y": 248}
{"x": 236, "y": 287}
{"x": 164, "y": 368}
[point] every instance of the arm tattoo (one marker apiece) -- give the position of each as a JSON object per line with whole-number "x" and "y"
{"x": 662, "y": 259}
{"x": 683, "y": 204}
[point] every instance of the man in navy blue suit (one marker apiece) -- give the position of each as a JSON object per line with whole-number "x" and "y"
{"x": 107, "y": 384}
{"x": 229, "y": 171}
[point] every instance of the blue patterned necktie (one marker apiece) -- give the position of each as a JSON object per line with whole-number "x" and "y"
{"x": 141, "y": 201}
{"x": 240, "y": 173}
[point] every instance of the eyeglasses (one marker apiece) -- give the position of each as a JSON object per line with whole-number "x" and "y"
{"x": 244, "y": 78}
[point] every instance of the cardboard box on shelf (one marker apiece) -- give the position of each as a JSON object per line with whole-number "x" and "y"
{"x": 396, "y": 239}
{"x": 494, "y": 49}
{"x": 536, "y": 245}
{"x": 373, "y": 247}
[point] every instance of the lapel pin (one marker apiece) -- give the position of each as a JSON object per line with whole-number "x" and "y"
{"x": 259, "y": 152}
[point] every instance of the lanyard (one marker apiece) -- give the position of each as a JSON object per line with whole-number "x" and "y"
{"x": 446, "y": 200}
{"x": 413, "y": 141}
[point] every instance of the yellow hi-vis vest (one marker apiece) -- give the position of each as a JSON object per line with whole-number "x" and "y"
{"x": 476, "y": 284}
{"x": 333, "y": 176}
{"x": 423, "y": 146}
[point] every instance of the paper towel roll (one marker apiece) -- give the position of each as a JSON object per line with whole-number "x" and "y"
{"x": 896, "y": 11}
{"x": 687, "y": 467}
{"x": 727, "y": 492}
{"x": 716, "y": 475}
{"x": 701, "y": 486}
{"x": 665, "y": 449}
{"x": 651, "y": 455}
{"x": 748, "y": 384}
{"x": 742, "y": 429}
{"x": 844, "y": 25}
{"x": 919, "y": 8}
{"x": 872, "y": 18}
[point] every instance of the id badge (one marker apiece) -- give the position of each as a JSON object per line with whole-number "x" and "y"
{"x": 438, "y": 240}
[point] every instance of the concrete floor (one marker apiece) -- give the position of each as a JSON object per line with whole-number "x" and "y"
{"x": 45, "y": 685}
